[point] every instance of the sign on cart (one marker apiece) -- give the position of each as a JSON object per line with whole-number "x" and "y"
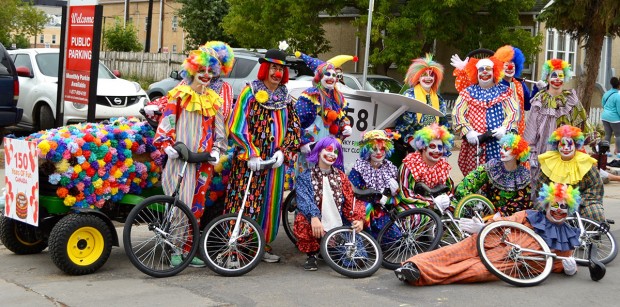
{"x": 21, "y": 180}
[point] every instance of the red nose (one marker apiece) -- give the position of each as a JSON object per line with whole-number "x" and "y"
{"x": 511, "y": 66}
{"x": 278, "y": 74}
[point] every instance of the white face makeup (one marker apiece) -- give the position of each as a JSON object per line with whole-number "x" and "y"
{"x": 329, "y": 155}
{"x": 485, "y": 76}
{"x": 509, "y": 69}
{"x": 329, "y": 79}
{"x": 567, "y": 148}
{"x": 556, "y": 79}
{"x": 203, "y": 77}
{"x": 505, "y": 154}
{"x": 557, "y": 213}
{"x": 434, "y": 151}
{"x": 378, "y": 154}
{"x": 427, "y": 79}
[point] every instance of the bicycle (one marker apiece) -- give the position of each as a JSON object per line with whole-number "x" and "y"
{"x": 162, "y": 226}
{"x": 233, "y": 244}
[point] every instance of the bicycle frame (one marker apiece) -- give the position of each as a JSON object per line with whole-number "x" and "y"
{"x": 235, "y": 233}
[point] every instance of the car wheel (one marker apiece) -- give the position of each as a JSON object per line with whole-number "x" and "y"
{"x": 46, "y": 118}
{"x": 154, "y": 96}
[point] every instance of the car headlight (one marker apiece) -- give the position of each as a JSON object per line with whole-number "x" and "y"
{"x": 79, "y": 106}
{"x": 138, "y": 88}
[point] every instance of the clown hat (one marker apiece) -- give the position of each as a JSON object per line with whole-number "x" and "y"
{"x": 224, "y": 54}
{"x": 275, "y": 56}
{"x": 313, "y": 63}
{"x": 339, "y": 60}
{"x": 375, "y": 135}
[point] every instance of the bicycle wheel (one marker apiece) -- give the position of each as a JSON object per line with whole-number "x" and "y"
{"x": 358, "y": 259}
{"x": 237, "y": 257}
{"x": 511, "y": 252}
{"x": 157, "y": 229}
{"x": 412, "y": 232}
{"x": 473, "y": 203}
{"x": 289, "y": 208}
{"x": 451, "y": 233}
{"x": 607, "y": 249}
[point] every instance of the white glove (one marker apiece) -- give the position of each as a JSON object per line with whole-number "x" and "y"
{"x": 150, "y": 109}
{"x": 497, "y": 216}
{"x": 393, "y": 185}
{"x": 305, "y": 149}
{"x": 499, "y": 132}
{"x": 347, "y": 131}
{"x": 254, "y": 163}
{"x": 456, "y": 61}
{"x": 541, "y": 85}
{"x": 383, "y": 200}
{"x": 471, "y": 225}
{"x": 172, "y": 154}
{"x": 570, "y": 266}
{"x": 215, "y": 154}
{"x": 472, "y": 137}
{"x": 279, "y": 156}
{"x": 442, "y": 202}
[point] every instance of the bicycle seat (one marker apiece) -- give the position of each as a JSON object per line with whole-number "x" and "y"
{"x": 191, "y": 157}
{"x": 423, "y": 189}
{"x": 485, "y": 137}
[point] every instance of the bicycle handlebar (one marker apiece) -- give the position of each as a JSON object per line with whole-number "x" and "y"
{"x": 422, "y": 189}
{"x": 151, "y": 122}
{"x": 191, "y": 157}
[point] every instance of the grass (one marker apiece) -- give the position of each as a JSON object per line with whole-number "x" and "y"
{"x": 144, "y": 82}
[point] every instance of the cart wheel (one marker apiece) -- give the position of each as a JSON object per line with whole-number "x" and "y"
{"x": 21, "y": 238}
{"x": 289, "y": 208}
{"x": 80, "y": 244}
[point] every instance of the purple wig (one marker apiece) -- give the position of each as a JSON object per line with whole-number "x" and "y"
{"x": 313, "y": 156}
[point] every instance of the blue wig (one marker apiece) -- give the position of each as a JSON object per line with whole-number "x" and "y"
{"x": 313, "y": 156}
{"x": 519, "y": 60}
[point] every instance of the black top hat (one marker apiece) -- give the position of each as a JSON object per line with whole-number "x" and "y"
{"x": 275, "y": 56}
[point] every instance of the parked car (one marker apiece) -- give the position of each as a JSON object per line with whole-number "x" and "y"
{"x": 10, "y": 114}
{"x": 244, "y": 70}
{"x": 38, "y": 82}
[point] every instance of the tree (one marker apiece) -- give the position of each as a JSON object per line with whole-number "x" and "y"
{"x": 589, "y": 21}
{"x": 20, "y": 19}
{"x": 121, "y": 38}
{"x": 31, "y": 21}
{"x": 202, "y": 20}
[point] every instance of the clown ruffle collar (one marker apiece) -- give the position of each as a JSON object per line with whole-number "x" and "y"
{"x": 555, "y": 105}
{"x": 278, "y": 99}
{"x": 376, "y": 178}
{"x": 486, "y": 97}
{"x": 333, "y": 101}
{"x": 560, "y": 237}
{"x": 507, "y": 180}
{"x": 207, "y": 103}
{"x": 567, "y": 172}
{"x": 430, "y": 175}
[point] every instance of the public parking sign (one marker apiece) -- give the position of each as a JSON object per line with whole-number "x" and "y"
{"x": 79, "y": 53}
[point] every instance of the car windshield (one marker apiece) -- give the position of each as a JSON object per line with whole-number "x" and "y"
{"x": 384, "y": 85}
{"x": 48, "y": 65}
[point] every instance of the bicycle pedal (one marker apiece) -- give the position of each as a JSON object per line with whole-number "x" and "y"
{"x": 604, "y": 228}
{"x": 610, "y": 221}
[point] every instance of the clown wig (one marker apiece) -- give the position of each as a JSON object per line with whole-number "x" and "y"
{"x": 556, "y": 64}
{"x": 419, "y": 66}
{"x": 472, "y": 70}
{"x": 373, "y": 139}
{"x": 511, "y": 54}
{"x": 263, "y": 73}
{"x": 314, "y": 155}
{"x": 569, "y": 132}
{"x": 520, "y": 148}
{"x": 320, "y": 71}
{"x": 424, "y": 136}
{"x": 224, "y": 53}
{"x": 198, "y": 60}
{"x": 559, "y": 193}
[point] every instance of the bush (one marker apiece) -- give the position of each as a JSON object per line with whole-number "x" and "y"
{"x": 121, "y": 38}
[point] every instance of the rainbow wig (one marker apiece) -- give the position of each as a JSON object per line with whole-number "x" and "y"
{"x": 569, "y": 132}
{"x": 420, "y": 65}
{"x": 558, "y": 193}
{"x": 372, "y": 139}
{"x": 224, "y": 53}
{"x": 313, "y": 156}
{"x": 424, "y": 136}
{"x": 197, "y": 60}
{"x": 520, "y": 147}
{"x": 511, "y": 54}
{"x": 556, "y": 64}
{"x": 472, "y": 70}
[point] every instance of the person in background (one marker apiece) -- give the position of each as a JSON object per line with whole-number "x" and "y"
{"x": 611, "y": 115}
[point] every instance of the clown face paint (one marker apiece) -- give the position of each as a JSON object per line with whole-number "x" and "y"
{"x": 378, "y": 154}
{"x": 275, "y": 75}
{"x": 203, "y": 77}
{"x": 485, "y": 76}
{"x": 567, "y": 148}
{"x": 329, "y": 155}
{"x": 509, "y": 69}
{"x": 505, "y": 154}
{"x": 339, "y": 75}
{"x": 434, "y": 151}
{"x": 557, "y": 212}
{"x": 556, "y": 79}
{"x": 427, "y": 79}
{"x": 329, "y": 79}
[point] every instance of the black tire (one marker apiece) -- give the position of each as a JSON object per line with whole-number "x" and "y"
{"x": 289, "y": 209}
{"x": 156, "y": 229}
{"x": 413, "y": 231}
{"x": 513, "y": 263}
{"x": 80, "y": 243}
{"x": 21, "y": 238}
{"x": 607, "y": 247}
{"x": 234, "y": 259}
{"x": 46, "y": 118}
{"x": 358, "y": 260}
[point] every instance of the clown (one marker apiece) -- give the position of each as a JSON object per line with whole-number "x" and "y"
{"x": 565, "y": 163}
{"x": 372, "y": 174}
{"x": 338, "y": 61}
{"x": 427, "y": 165}
{"x": 193, "y": 115}
{"x": 324, "y": 199}
{"x": 424, "y": 78}
{"x": 263, "y": 125}
{"x": 506, "y": 182}
{"x": 552, "y": 108}
{"x": 514, "y": 59}
{"x": 460, "y": 262}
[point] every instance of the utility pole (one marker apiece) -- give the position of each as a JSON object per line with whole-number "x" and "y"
{"x": 149, "y": 18}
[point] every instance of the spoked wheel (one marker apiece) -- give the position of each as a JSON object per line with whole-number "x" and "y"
{"x": 21, "y": 238}
{"x": 413, "y": 231}
{"x": 512, "y": 252}
{"x": 472, "y": 204}
{"x": 607, "y": 249}
{"x": 451, "y": 233}
{"x": 288, "y": 215}
{"x": 355, "y": 255}
{"x": 234, "y": 258}
{"x": 157, "y": 232}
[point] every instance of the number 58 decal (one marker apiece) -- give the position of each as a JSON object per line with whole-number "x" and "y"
{"x": 361, "y": 123}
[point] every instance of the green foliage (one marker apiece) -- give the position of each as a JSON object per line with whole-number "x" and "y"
{"x": 18, "y": 20}
{"x": 202, "y": 20}
{"x": 142, "y": 80}
{"x": 121, "y": 38}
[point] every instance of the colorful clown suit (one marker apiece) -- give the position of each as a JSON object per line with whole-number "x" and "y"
{"x": 514, "y": 60}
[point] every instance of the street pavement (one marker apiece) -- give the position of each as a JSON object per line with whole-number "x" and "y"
{"x": 33, "y": 280}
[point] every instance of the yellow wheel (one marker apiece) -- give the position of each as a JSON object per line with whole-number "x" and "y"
{"x": 473, "y": 203}
{"x": 85, "y": 246}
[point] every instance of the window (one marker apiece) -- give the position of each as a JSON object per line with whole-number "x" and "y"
{"x": 53, "y": 39}
{"x": 242, "y": 68}
{"x": 175, "y": 23}
{"x": 350, "y": 82}
{"x": 42, "y": 39}
{"x": 174, "y": 48}
{"x": 23, "y": 60}
{"x": 561, "y": 45}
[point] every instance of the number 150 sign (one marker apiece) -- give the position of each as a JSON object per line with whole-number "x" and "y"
{"x": 21, "y": 181}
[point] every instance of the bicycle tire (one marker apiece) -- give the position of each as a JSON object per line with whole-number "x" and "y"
{"x": 358, "y": 260}
{"x": 607, "y": 247}
{"x": 473, "y": 202}
{"x": 235, "y": 259}
{"x": 150, "y": 245}
{"x": 289, "y": 209}
{"x": 511, "y": 264}
{"x": 412, "y": 232}
{"x": 451, "y": 233}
